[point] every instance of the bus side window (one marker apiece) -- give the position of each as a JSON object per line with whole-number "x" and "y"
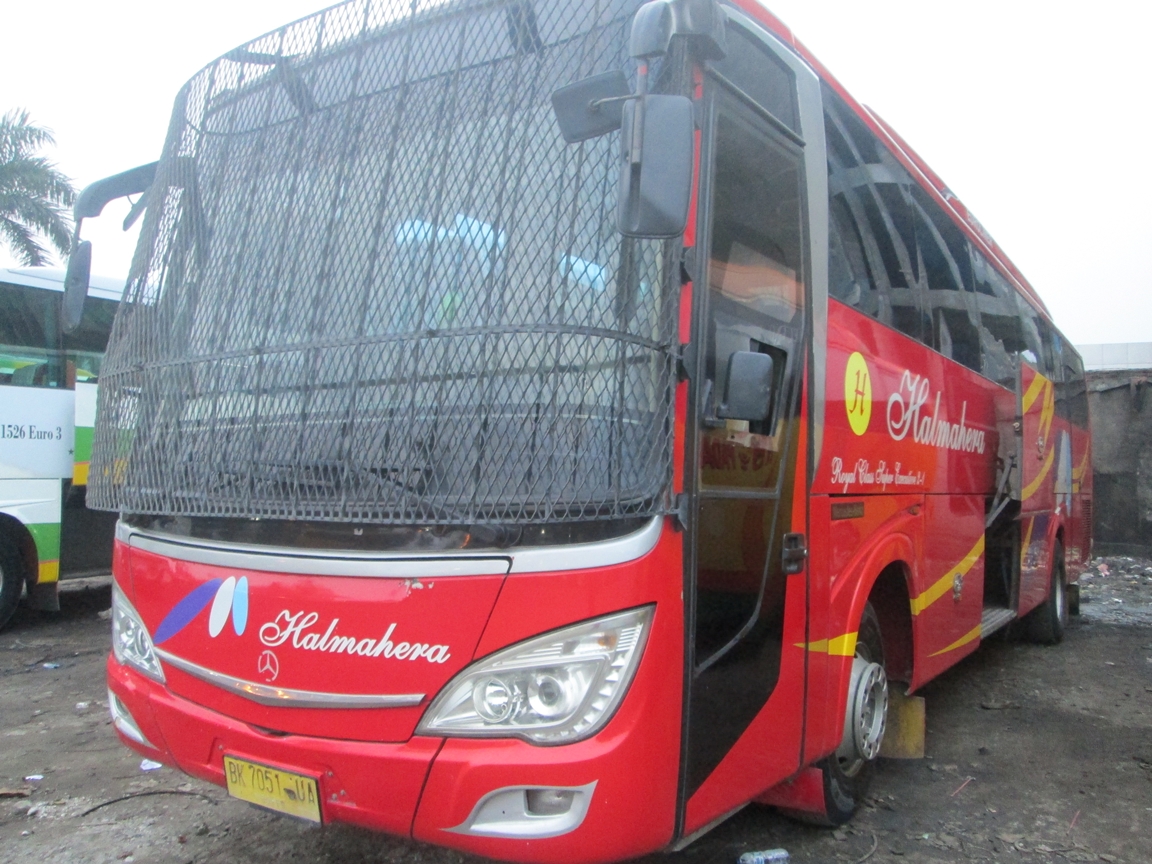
{"x": 1072, "y": 399}
{"x": 947, "y": 270}
{"x": 874, "y": 188}
{"x": 853, "y": 254}
{"x": 1071, "y": 391}
{"x": 30, "y": 337}
{"x": 85, "y": 346}
{"x": 849, "y": 276}
{"x": 1001, "y": 332}
{"x": 1038, "y": 338}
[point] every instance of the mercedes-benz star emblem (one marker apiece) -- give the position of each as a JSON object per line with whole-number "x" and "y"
{"x": 268, "y": 666}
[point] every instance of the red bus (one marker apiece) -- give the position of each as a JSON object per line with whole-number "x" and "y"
{"x": 522, "y": 414}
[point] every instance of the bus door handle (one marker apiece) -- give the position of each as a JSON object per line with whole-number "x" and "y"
{"x": 795, "y": 554}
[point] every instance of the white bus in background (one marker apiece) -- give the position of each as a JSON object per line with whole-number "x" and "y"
{"x": 47, "y": 412}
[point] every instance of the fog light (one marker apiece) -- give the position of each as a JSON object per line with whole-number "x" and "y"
{"x": 550, "y": 802}
{"x": 123, "y": 720}
{"x": 528, "y": 812}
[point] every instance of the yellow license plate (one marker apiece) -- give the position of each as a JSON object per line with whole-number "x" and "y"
{"x": 282, "y": 791}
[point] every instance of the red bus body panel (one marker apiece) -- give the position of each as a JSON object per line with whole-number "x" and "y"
{"x": 372, "y": 770}
{"x": 450, "y": 612}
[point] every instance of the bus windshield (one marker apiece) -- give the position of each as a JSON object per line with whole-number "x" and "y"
{"x": 374, "y": 284}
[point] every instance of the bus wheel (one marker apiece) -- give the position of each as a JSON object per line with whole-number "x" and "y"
{"x": 1046, "y": 623}
{"x": 848, "y": 771}
{"x": 11, "y": 581}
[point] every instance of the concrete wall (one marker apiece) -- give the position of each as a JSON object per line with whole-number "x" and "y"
{"x": 1121, "y": 409}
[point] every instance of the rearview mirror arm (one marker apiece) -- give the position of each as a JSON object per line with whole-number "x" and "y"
{"x": 89, "y": 204}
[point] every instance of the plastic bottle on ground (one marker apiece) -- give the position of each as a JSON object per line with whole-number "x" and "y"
{"x": 767, "y": 856}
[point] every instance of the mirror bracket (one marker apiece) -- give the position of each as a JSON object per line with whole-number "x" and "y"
{"x": 657, "y": 22}
{"x": 89, "y": 204}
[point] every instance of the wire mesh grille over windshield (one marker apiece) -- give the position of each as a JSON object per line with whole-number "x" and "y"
{"x": 374, "y": 285}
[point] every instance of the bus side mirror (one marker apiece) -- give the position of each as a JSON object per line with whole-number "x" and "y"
{"x": 592, "y": 107}
{"x": 656, "y": 175}
{"x": 748, "y": 392}
{"x": 658, "y": 130}
{"x": 90, "y": 204}
{"x": 76, "y": 280}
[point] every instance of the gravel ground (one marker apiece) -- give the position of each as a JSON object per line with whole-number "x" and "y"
{"x": 1117, "y": 591}
{"x": 1035, "y": 755}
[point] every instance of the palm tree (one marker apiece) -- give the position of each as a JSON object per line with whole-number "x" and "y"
{"x": 34, "y": 195}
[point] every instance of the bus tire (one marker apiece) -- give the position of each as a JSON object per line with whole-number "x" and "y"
{"x": 848, "y": 772}
{"x": 11, "y": 580}
{"x": 1045, "y": 624}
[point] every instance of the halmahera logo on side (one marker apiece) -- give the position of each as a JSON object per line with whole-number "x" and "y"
{"x": 858, "y": 393}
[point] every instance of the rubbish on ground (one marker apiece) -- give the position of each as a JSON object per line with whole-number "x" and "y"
{"x": 767, "y": 856}
{"x": 81, "y": 707}
{"x": 147, "y": 793}
{"x": 51, "y": 665}
{"x": 962, "y": 785}
{"x": 149, "y": 765}
{"x": 870, "y": 852}
{"x": 105, "y": 615}
{"x": 33, "y": 778}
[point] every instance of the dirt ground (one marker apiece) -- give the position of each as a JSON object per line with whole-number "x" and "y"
{"x": 1036, "y": 755}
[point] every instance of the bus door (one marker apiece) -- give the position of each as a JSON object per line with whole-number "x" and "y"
{"x": 744, "y": 712}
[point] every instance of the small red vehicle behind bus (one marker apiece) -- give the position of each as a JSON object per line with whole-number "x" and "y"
{"x": 543, "y": 429}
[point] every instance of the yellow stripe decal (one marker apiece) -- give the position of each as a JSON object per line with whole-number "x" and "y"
{"x": 1033, "y": 391}
{"x": 944, "y": 584}
{"x": 1078, "y": 474}
{"x": 1032, "y": 488}
{"x": 49, "y": 572}
{"x": 970, "y": 636}
{"x": 1048, "y": 411}
{"x": 841, "y": 646}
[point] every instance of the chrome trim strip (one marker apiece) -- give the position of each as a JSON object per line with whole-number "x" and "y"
{"x": 583, "y": 556}
{"x": 284, "y": 698}
{"x": 270, "y": 559}
{"x": 278, "y": 559}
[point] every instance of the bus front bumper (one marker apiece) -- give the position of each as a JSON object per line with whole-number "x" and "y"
{"x": 606, "y": 798}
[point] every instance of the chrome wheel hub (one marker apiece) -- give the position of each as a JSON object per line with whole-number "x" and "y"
{"x": 865, "y": 717}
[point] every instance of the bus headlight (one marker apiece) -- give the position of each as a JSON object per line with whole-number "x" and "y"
{"x": 131, "y": 643}
{"x": 552, "y": 689}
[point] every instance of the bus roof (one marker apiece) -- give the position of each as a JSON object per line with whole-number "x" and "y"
{"x": 52, "y": 279}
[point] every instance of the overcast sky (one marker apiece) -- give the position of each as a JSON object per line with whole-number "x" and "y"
{"x": 1036, "y": 114}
